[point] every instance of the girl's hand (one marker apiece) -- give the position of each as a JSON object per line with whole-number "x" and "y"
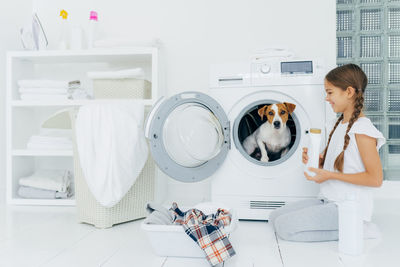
{"x": 321, "y": 175}
{"x": 304, "y": 155}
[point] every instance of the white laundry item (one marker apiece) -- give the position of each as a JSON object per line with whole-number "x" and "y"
{"x": 44, "y": 97}
{"x": 43, "y": 83}
{"x": 51, "y": 139}
{"x": 112, "y": 148}
{"x": 37, "y": 193}
{"x": 57, "y": 180}
{"x": 79, "y": 94}
{"x": 119, "y": 74}
{"x": 43, "y": 90}
{"x": 56, "y": 132}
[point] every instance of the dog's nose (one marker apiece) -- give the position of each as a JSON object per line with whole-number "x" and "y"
{"x": 277, "y": 124}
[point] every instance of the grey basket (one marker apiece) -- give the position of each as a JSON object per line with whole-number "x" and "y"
{"x": 122, "y": 88}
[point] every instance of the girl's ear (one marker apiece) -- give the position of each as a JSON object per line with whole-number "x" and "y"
{"x": 350, "y": 91}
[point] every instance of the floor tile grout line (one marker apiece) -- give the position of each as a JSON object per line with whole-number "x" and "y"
{"x": 165, "y": 260}
{"x": 279, "y": 249}
{"x": 66, "y": 248}
{"x": 112, "y": 255}
{"x": 22, "y": 230}
{"x": 115, "y": 252}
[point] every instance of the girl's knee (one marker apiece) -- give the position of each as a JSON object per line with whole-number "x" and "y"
{"x": 272, "y": 217}
{"x": 283, "y": 226}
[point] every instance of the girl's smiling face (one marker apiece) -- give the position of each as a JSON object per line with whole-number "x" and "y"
{"x": 337, "y": 97}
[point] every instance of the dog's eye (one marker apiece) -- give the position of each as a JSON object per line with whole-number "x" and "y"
{"x": 283, "y": 112}
{"x": 270, "y": 113}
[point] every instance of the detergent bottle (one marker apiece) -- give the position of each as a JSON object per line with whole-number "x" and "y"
{"x": 64, "y": 31}
{"x": 313, "y": 150}
{"x": 351, "y": 226}
{"x": 92, "y": 30}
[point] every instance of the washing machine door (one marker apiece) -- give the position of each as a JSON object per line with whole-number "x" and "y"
{"x": 189, "y": 136}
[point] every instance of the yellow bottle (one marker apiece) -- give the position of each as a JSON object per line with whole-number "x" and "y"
{"x": 64, "y": 31}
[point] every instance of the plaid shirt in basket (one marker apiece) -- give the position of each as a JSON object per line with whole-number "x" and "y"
{"x": 207, "y": 231}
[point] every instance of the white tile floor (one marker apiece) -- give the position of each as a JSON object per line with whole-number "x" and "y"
{"x": 50, "y": 236}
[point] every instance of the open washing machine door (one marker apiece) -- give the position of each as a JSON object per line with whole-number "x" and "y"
{"x": 189, "y": 136}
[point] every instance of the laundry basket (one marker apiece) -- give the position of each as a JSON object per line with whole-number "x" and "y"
{"x": 132, "y": 205}
{"x": 121, "y": 88}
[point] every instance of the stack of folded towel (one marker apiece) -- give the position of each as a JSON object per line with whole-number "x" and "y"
{"x": 46, "y": 89}
{"x": 46, "y": 184}
{"x": 55, "y": 139}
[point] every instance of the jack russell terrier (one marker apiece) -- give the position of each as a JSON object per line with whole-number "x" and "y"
{"x": 273, "y": 133}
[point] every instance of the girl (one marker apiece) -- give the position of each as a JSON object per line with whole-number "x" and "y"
{"x": 350, "y": 164}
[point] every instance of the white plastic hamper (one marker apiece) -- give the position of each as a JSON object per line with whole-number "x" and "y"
{"x": 172, "y": 241}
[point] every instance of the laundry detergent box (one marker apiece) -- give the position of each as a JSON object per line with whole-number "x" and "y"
{"x": 172, "y": 241}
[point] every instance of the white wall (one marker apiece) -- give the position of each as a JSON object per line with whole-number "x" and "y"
{"x": 194, "y": 34}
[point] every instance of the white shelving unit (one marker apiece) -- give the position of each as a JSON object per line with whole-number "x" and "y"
{"x": 23, "y": 118}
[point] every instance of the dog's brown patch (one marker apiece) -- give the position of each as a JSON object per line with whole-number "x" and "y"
{"x": 270, "y": 113}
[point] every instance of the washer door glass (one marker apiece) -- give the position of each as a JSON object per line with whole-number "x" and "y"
{"x": 189, "y": 136}
{"x": 192, "y": 135}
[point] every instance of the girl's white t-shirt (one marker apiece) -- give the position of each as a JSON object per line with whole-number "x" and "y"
{"x": 335, "y": 190}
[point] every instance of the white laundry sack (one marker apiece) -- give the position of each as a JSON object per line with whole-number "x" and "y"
{"x": 112, "y": 148}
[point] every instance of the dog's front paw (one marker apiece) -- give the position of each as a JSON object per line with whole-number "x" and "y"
{"x": 264, "y": 159}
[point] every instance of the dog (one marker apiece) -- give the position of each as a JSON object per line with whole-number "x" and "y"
{"x": 272, "y": 134}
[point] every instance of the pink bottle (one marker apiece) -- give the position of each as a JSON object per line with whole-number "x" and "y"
{"x": 93, "y": 20}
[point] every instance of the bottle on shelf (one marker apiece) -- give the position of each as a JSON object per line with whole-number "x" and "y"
{"x": 63, "y": 42}
{"x": 92, "y": 30}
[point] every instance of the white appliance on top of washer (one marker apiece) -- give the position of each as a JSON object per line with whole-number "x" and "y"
{"x": 194, "y": 136}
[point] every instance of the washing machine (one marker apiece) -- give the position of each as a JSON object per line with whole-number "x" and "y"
{"x": 198, "y": 135}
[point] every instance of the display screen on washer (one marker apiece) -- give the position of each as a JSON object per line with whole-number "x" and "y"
{"x": 294, "y": 67}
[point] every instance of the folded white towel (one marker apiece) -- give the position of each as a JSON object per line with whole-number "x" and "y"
{"x": 57, "y": 180}
{"x": 43, "y": 83}
{"x": 112, "y": 148}
{"x": 51, "y": 139}
{"x": 37, "y": 193}
{"x": 56, "y": 132}
{"x": 79, "y": 94}
{"x": 43, "y": 90}
{"x": 43, "y": 97}
{"x": 119, "y": 74}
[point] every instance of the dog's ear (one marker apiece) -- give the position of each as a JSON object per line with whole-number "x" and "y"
{"x": 290, "y": 107}
{"x": 261, "y": 111}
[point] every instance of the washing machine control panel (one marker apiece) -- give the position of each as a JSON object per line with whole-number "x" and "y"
{"x": 279, "y": 71}
{"x": 264, "y": 71}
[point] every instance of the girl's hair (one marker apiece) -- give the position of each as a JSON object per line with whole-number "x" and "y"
{"x": 349, "y": 75}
